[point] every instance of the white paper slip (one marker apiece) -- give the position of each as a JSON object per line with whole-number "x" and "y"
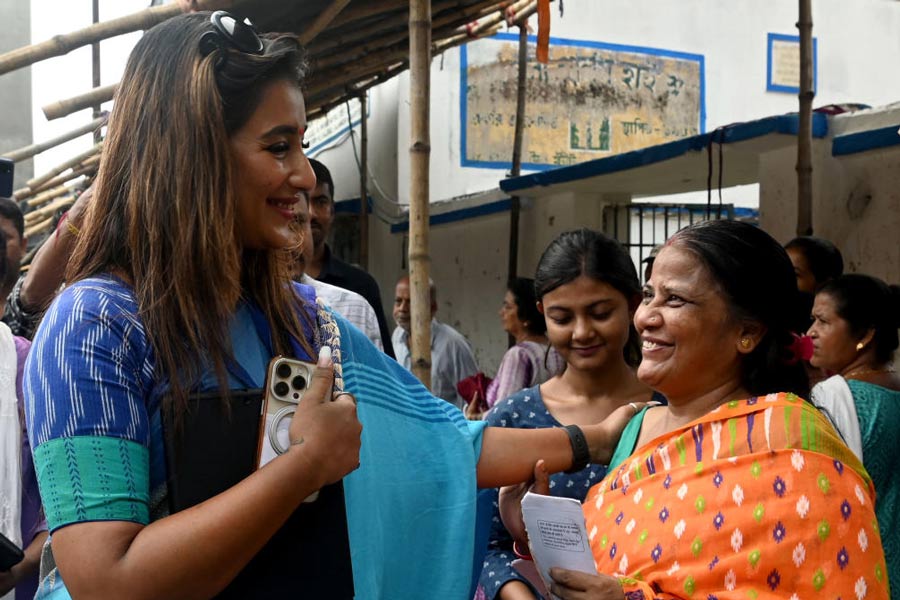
{"x": 557, "y": 535}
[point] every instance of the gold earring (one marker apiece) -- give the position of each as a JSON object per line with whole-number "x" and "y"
{"x": 745, "y": 343}
{"x": 860, "y": 346}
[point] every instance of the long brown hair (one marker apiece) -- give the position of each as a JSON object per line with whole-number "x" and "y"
{"x": 163, "y": 214}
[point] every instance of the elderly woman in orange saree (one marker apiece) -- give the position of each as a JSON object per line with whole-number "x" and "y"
{"x": 738, "y": 488}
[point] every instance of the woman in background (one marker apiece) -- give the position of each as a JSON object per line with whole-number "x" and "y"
{"x": 587, "y": 289}
{"x": 531, "y": 361}
{"x": 854, "y": 334}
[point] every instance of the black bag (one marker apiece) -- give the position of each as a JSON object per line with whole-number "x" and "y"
{"x": 10, "y": 554}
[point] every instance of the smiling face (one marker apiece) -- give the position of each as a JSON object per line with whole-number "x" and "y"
{"x": 834, "y": 346}
{"x": 689, "y": 339}
{"x": 587, "y": 322}
{"x": 270, "y": 168}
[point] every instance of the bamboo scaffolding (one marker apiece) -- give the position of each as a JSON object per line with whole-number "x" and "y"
{"x": 338, "y": 77}
{"x": 396, "y": 39}
{"x": 86, "y": 168}
{"x": 34, "y": 149}
{"x": 419, "y": 157}
{"x": 364, "y": 10}
{"x": 38, "y": 181}
{"x": 350, "y": 35}
{"x": 63, "y": 44}
{"x": 49, "y": 210}
{"x": 804, "y": 130}
{"x": 47, "y": 196}
{"x": 323, "y": 99}
{"x": 323, "y": 21}
{"x": 318, "y": 110}
{"x": 67, "y": 106}
{"x": 39, "y": 228}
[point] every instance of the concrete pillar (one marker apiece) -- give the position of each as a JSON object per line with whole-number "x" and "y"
{"x": 15, "y": 87}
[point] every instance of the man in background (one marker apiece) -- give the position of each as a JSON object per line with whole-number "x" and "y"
{"x": 346, "y": 303}
{"x": 451, "y": 356}
{"x": 324, "y": 266}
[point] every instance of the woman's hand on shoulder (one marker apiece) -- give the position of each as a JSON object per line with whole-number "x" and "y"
{"x": 573, "y": 585}
{"x": 603, "y": 437}
{"x": 325, "y": 430}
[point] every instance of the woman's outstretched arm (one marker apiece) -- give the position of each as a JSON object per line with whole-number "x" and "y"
{"x": 508, "y": 455}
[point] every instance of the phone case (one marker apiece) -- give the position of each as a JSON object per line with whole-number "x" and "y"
{"x": 286, "y": 381}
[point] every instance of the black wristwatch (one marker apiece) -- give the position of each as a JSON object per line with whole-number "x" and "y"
{"x": 581, "y": 453}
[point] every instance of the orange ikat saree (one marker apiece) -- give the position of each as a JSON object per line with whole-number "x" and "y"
{"x": 757, "y": 499}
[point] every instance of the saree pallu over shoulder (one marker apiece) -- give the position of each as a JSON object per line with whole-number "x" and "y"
{"x": 757, "y": 499}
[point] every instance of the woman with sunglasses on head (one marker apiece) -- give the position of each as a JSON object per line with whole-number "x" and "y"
{"x": 179, "y": 287}
{"x": 587, "y": 290}
{"x": 854, "y": 335}
{"x": 737, "y": 488}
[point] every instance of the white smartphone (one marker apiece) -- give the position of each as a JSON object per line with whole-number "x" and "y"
{"x": 287, "y": 379}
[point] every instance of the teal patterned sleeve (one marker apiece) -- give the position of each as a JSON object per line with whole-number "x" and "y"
{"x": 93, "y": 478}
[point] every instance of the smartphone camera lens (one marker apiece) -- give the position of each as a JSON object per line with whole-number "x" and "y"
{"x": 281, "y": 388}
{"x": 283, "y": 370}
{"x": 299, "y": 382}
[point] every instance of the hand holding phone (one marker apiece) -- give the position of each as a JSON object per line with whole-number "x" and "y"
{"x": 299, "y": 409}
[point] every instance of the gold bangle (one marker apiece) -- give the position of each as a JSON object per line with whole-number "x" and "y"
{"x": 72, "y": 228}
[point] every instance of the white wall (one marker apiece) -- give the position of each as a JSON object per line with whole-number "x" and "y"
{"x": 858, "y": 49}
{"x": 856, "y": 205}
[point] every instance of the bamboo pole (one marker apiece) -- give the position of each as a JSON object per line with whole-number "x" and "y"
{"x": 397, "y": 40}
{"x": 95, "y": 64}
{"x": 47, "y": 196}
{"x": 370, "y": 32}
{"x": 321, "y": 99}
{"x": 38, "y": 181}
{"x": 315, "y": 110}
{"x": 804, "y": 131}
{"x": 63, "y": 44}
{"x": 67, "y": 106}
{"x": 29, "y": 151}
{"x": 419, "y": 155}
{"x": 39, "y": 227}
{"x": 340, "y": 76}
{"x": 50, "y": 209}
{"x": 518, "y": 134}
{"x": 323, "y": 20}
{"x": 88, "y": 167}
{"x": 363, "y": 184}
{"x": 364, "y": 10}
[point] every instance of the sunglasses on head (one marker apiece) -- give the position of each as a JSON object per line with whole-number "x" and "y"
{"x": 228, "y": 30}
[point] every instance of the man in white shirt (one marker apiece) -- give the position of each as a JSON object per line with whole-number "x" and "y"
{"x": 346, "y": 303}
{"x": 451, "y": 355}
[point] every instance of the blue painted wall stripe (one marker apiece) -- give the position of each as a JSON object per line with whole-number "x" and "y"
{"x": 862, "y": 141}
{"x": 782, "y": 124}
